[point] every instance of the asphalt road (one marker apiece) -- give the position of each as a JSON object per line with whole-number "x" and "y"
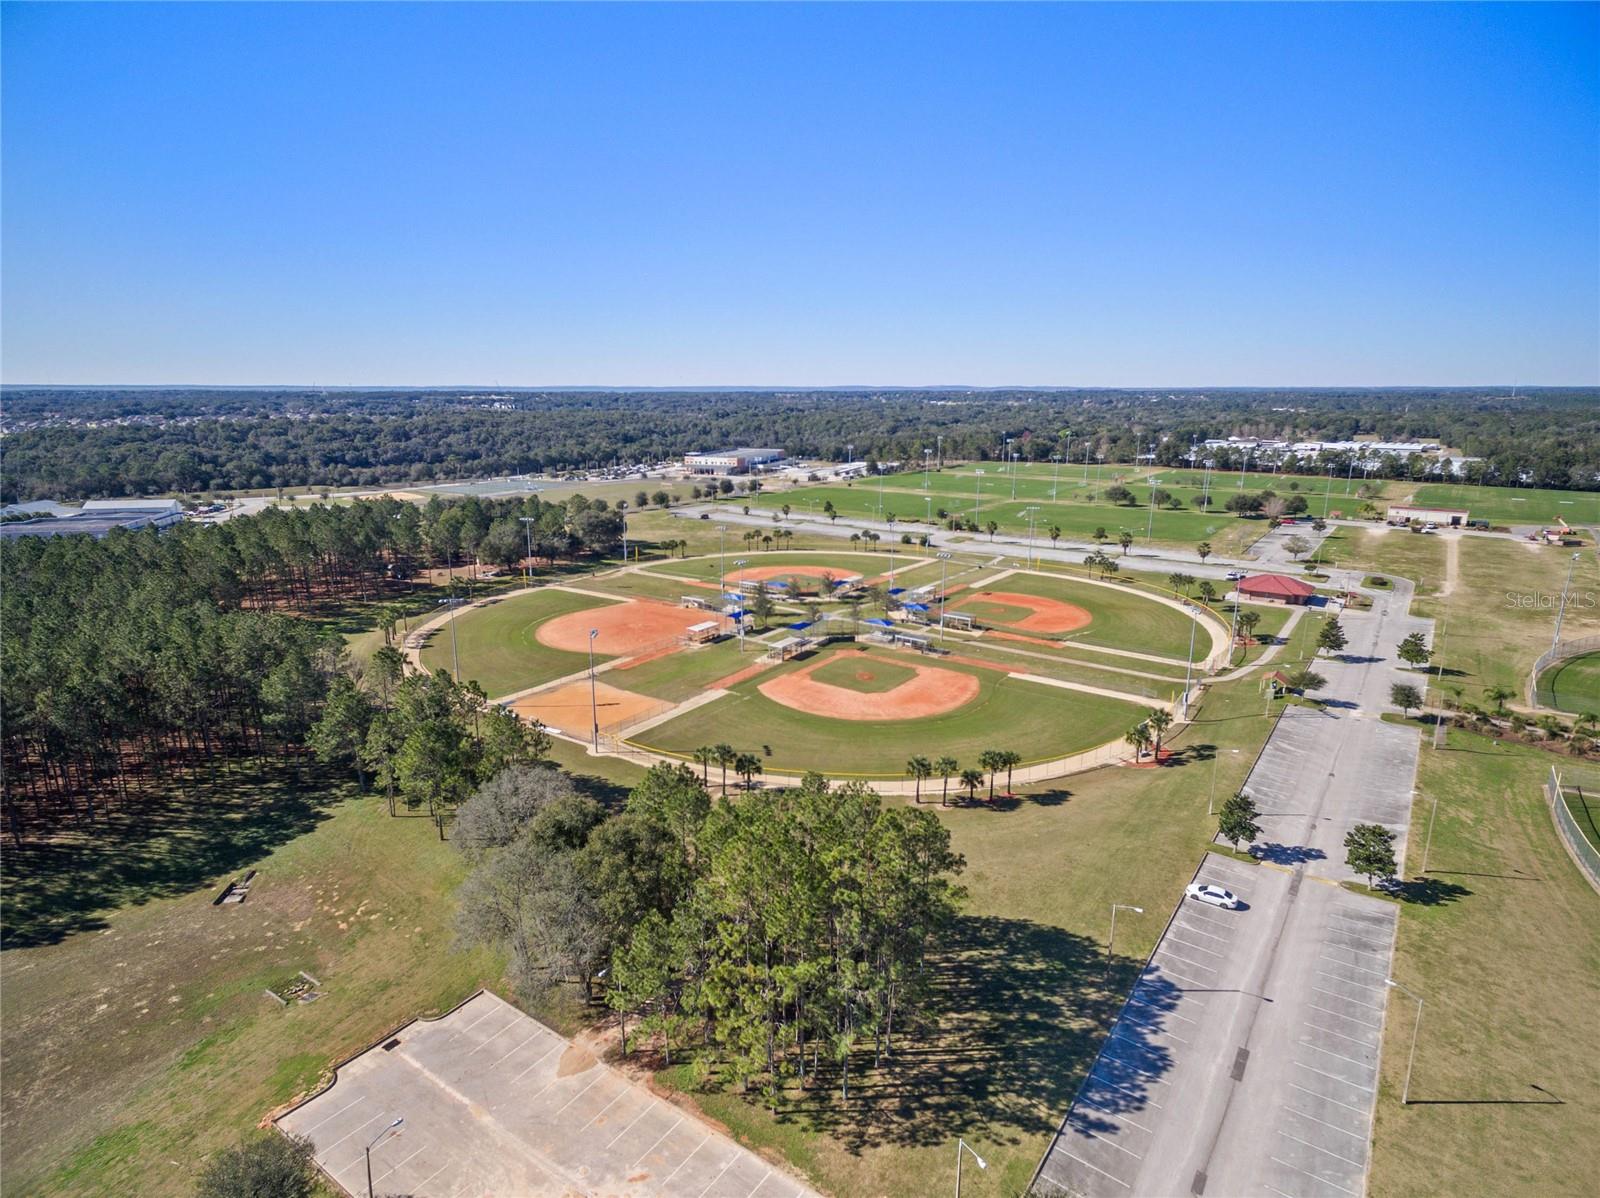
{"x": 1246, "y": 1059}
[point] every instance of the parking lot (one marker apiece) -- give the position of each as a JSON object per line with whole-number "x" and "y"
{"x": 1245, "y": 1060}
{"x": 492, "y": 1102}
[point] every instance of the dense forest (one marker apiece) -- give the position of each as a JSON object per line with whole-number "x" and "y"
{"x": 66, "y": 444}
{"x": 130, "y": 662}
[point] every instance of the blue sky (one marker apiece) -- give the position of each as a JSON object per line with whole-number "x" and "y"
{"x": 663, "y": 195}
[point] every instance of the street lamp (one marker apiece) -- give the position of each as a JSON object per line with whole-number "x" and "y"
{"x": 982, "y": 1164}
{"x": 594, "y": 707}
{"x": 1115, "y": 907}
{"x": 927, "y": 458}
{"x": 1188, "y": 665}
{"x": 371, "y": 1144}
{"x": 977, "y": 492}
{"x": 527, "y": 527}
{"x": 1405, "y": 1096}
{"x": 1212, "y": 797}
{"x": 944, "y": 569}
{"x": 455, "y": 658}
{"x": 1150, "y": 525}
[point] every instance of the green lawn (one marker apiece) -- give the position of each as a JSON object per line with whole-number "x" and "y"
{"x": 1514, "y": 505}
{"x": 842, "y": 562}
{"x": 1026, "y": 1003}
{"x": 682, "y": 675}
{"x": 1584, "y": 804}
{"x": 498, "y": 646}
{"x": 1505, "y": 951}
{"x": 1037, "y": 721}
{"x": 1572, "y": 685}
{"x": 1123, "y": 618}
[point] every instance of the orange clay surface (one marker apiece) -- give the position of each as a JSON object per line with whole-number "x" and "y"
{"x": 932, "y": 692}
{"x": 1049, "y": 615}
{"x": 624, "y": 627}
{"x": 567, "y": 707}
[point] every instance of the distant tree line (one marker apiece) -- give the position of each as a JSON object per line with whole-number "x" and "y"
{"x": 782, "y": 937}
{"x": 78, "y": 444}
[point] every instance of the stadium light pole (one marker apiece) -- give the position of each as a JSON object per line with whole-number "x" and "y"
{"x": 1150, "y": 525}
{"x": 977, "y": 492}
{"x": 722, "y": 556}
{"x": 594, "y": 706}
{"x": 1188, "y": 666}
{"x": 1405, "y": 1095}
{"x": 938, "y": 441}
{"x": 373, "y": 1143}
{"x": 1327, "y": 496}
{"x": 455, "y": 657}
{"x": 1562, "y": 610}
{"x": 1055, "y": 482}
{"x": 527, "y": 527}
{"x": 927, "y": 461}
{"x": 960, "y": 1146}
{"x": 944, "y": 570}
{"x": 1014, "y": 458}
{"x": 1111, "y": 943}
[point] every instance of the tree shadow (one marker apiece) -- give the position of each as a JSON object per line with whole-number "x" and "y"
{"x": 1286, "y": 854}
{"x": 1018, "y": 1012}
{"x": 1429, "y": 892}
{"x": 159, "y": 846}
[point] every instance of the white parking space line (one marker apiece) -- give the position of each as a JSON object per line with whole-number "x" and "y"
{"x": 1195, "y": 948}
{"x": 1137, "y": 1002}
{"x": 461, "y": 1031}
{"x": 1334, "y": 1126}
{"x": 355, "y": 1102}
{"x": 358, "y": 1129}
{"x": 1117, "y": 1115}
{"x": 1340, "y": 1055}
{"x": 1321, "y": 1149}
{"x": 600, "y": 1078}
{"x": 731, "y": 1161}
{"x": 535, "y": 1065}
{"x": 1334, "y": 1077}
{"x": 1107, "y": 1082}
{"x": 518, "y": 1048}
{"x": 397, "y": 1164}
{"x": 685, "y": 1161}
{"x": 648, "y": 1108}
{"x": 1329, "y": 1031}
{"x": 621, "y": 1094}
{"x": 1362, "y": 1111}
{"x": 1364, "y": 987}
{"x": 485, "y": 1044}
{"x": 1279, "y": 1160}
{"x": 432, "y": 1175}
{"x": 1198, "y": 932}
{"x": 1186, "y": 961}
{"x": 1154, "y": 1029}
{"x": 1096, "y": 1168}
{"x": 1086, "y": 1132}
{"x": 1131, "y": 1065}
{"x": 759, "y": 1184}
{"x": 1352, "y": 965}
{"x": 1168, "y": 971}
{"x": 1346, "y": 998}
{"x": 652, "y": 1147}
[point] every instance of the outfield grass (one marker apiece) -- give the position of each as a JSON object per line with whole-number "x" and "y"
{"x": 498, "y": 646}
{"x": 682, "y": 675}
{"x": 1584, "y": 804}
{"x": 1513, "y": 505}
{"x": 841, "y": 561}
{"x": 1036, "y": 721}
{"x": 1123, "y": 618}
{"x": 1573, "y": 685}
{"x": 1505, "y": 951}
{"x": 1024, "y": 1002}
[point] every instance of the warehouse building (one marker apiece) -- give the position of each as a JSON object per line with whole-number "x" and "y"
{"x": 732, "y": 461}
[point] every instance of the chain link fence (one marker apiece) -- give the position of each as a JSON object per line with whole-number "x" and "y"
{"x": 1579, "y": 845}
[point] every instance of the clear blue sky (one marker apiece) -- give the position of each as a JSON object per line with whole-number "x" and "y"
{"x": 663, "y": 195}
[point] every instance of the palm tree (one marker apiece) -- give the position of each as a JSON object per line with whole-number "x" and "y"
{"x": 1139, "y": 737}
{"x": 991, "y": 528}
{"x": 1055, "y": 534}
{"x": 992, "y": 760}
{"x": 1498, "y": 696}
{"x": 1158, "y": 721}
{"x": 919, "y": 768}
{"x": 705, "y": 755}
{"x": 1010, "y": 759}
{"x": 1208, "y": 593}
{"x": 1247, "y": 623}
{"x": 944, "y": 767}
{"x": 1204, "y": 550}
{"x": 747, "y": 766}
{"x": 725, "y": 755}
{"x": 1125, "y": 539}
{"x": 972, "y": 779}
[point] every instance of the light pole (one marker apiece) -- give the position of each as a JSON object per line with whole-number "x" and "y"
{"x": 722, "y": 556}
{"x": 1405, "y": 1096}
{"x": 1327, "y": 496}
{"x": 455, "y": 658}
{"x": 527, "y": 527}
{"x": 1014, "y": 458}
{"x": 371, "y": 1144}
{"x": 944, "y": 569}
{"x": 1562, "y": 610}
{"x": 1212, "y": 797}
{"x": 1055, "y": 481}
{"x": 1427, "y": 845}
{"x": 938, "y": 441}
{"x": 977, "y": 492}
{"x": 927, "y": 460}
{"x": 594, "y": 707}
{"x": 1110, "y": 944}
{"x": 1032, "y": 513}
{"x": 1188, "y": 666}
{"x": 982, "y": 1164}
{"x": 739, "y": 622}
{"x": 1150, "y": 525}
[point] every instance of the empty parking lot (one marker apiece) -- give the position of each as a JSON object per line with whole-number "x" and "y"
{"x": 495, "y": 1103}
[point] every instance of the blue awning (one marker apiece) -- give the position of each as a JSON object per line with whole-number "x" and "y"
{"x": 882, "y": 623}
{"x": 801, "y": 626}
{"x": 915, "y": 606}
{"x": 897, "y": 590}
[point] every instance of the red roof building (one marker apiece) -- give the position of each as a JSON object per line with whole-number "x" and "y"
{"x": 1276, "y": 588}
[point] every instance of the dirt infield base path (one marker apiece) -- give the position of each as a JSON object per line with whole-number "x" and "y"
{"x": 567, "y": 708}
{"x": 931, "y": 692}
{"x": 624, "y": 628}
{"x": 1049, "y": 615}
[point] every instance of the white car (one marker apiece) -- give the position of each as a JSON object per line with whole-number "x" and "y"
{"x": 1215, "y": 896}
{"x": 1235, "y": 575}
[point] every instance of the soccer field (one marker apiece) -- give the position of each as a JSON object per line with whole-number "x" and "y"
{"x": 1513, "y": 505}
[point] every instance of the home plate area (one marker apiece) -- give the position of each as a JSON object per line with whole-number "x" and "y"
{"x": 494, "y": 1104}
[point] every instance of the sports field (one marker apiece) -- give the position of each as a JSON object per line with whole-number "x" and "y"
{"x": 1572, "y": 685}
{"x": 782, "y": 566}
{"x": 1513, "y": 505}
{"x": 960, "y": 710}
